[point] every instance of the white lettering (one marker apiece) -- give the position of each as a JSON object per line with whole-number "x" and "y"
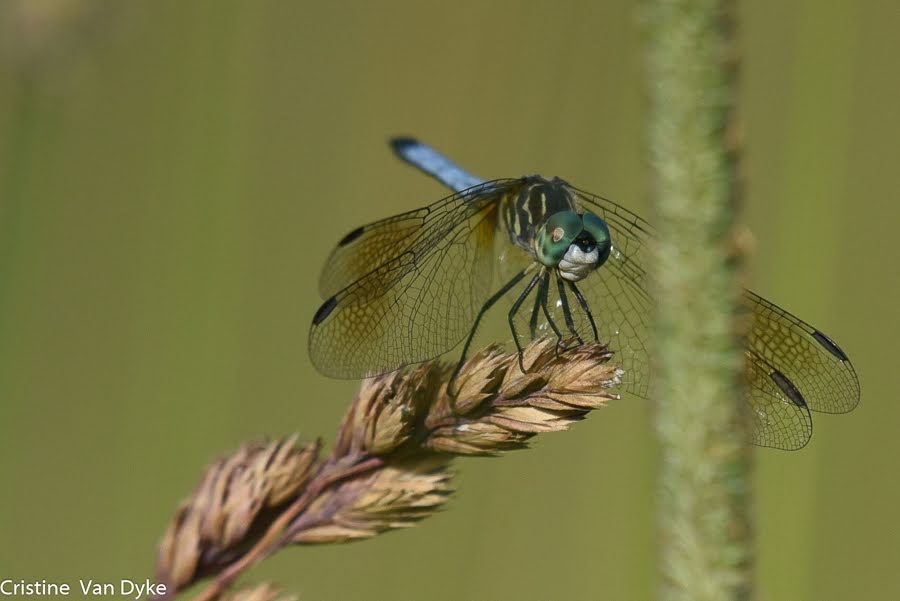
{"x": 144, "y": 589}
{"x": 89, "y": 588}
{"x": 37, "y": 588}
{"x": 96, "y": 589}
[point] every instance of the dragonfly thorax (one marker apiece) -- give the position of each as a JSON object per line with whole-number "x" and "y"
{"x": 543, "y": 218}
{"x": 527, "y": 210}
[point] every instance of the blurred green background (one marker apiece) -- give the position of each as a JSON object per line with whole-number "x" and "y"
{"x": 173, "y": 174}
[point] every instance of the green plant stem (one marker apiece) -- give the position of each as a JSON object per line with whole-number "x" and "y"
{"x": 704, "y": 481}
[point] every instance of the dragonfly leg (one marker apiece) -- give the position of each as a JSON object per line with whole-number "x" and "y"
{"x": 532, "y": 324}
{"x": 515, "y": 309}
{"x": 567, "y": 312}
{"x": 585, "y": 308}
{"x": 484, "y": 309}
{"x": 543, "y": 292}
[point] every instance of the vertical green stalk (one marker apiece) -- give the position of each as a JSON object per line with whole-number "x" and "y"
{"x": 705, "y": 470}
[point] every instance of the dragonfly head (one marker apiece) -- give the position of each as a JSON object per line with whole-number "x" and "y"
{"x": 575, "y": 244}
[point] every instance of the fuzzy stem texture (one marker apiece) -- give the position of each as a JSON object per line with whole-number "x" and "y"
{"x": 704, "y": 481}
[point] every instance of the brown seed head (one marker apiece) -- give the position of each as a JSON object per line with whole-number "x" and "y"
{"x": 237, "y": 496}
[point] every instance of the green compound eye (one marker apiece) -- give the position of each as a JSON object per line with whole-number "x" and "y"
{"x": 555, "y": 236}
{"x": 599, "y": 231}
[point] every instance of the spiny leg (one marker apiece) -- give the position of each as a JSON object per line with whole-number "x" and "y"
{"x": 484, "y": 308}
{"x": 532, "y": 324}
{"x": 515, "y": 309}
{"x": 585, "y": 308}
{"x": 567, "y": 313}
{"x": 543, "y": 293}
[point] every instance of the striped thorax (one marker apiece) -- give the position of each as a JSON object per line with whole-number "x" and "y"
{"x": 542, "y": 219}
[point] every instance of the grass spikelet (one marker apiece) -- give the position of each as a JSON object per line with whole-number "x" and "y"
{"x": 389, "y": 465}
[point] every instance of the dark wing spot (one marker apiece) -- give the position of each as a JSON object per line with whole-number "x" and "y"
{"x": 830, "y": 345}
{"x": 324, "y": 311}
{"x": 788, "y": 388}
{"x": 352, "y": 236}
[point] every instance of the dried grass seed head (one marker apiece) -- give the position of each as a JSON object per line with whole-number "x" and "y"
{"x": 236, "y": 496}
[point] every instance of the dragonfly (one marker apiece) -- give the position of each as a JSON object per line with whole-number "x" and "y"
{"x": 413, "y": 286}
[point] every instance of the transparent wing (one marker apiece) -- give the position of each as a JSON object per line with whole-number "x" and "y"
{"x": 810, "y": 360}
{"x": 791, "y": 366}
{"x": 617, "y": 291}
{"x": 780, "y": 418}
{"x": 370, "y": 246}
{"x": 414, "y": 284}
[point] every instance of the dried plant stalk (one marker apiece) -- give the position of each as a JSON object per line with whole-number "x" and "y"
{"x": 388, "y": 468}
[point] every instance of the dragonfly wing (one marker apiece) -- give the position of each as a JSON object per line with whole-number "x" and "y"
{"x": 419, "y": 301}
{"x": 792, "y": 367}
{"x": 778, "y": 413}
{"x": 816, "y": 366}
{"x": 617, "y": 291}
{"x": 369, "y": 246}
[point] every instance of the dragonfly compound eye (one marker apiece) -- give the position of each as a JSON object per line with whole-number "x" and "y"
{"x": 555, "y": 236}
{"x": 597, "y": 229}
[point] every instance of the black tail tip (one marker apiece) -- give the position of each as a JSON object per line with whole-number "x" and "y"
{"x": 401, "y": 143}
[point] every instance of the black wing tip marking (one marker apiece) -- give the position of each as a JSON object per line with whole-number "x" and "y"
{"x": 788, "y": 388}
{"x": 325, "y": 310}
{"x": 830, "y": 345}
{"x": 351, "y": 236}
